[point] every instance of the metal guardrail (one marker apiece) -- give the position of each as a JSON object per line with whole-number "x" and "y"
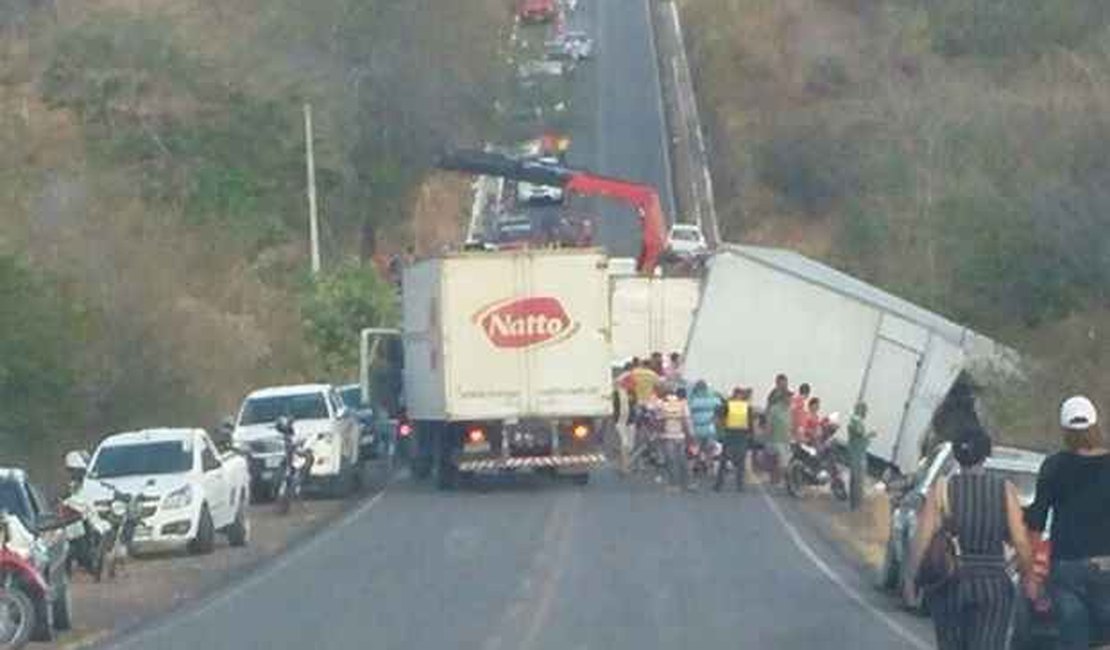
{"x": 691, "y": 175}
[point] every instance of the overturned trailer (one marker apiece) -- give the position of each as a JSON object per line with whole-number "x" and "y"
{"x": 765, "y": 311}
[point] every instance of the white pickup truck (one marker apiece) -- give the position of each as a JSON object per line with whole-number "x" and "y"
{"x": 188, "y": 488}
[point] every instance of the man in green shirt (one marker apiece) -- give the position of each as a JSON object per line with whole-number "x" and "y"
{"x": 858, "y": 440}
{"x": 778, "y": 420}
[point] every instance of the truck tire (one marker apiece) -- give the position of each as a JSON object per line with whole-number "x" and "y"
{"x": 446, "y": 471}
{"x": 422, "y": 452}
{"x": 44, "y": 621}
{"x": 63, "y": 605}
{"x": 205, "y": 541}
{"x": 16, "y": 632}
{"x": 239, "y": 532}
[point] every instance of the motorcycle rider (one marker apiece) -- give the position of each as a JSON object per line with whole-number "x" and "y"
{"x": 736, "y": 436}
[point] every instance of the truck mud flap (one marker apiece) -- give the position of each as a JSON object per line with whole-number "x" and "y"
{"x": 523, "y": 462}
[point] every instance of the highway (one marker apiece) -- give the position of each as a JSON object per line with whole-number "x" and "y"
{"x": 519, "y": 563}
{"x": 530, "y": 565}
{"x": 620, "y": 127}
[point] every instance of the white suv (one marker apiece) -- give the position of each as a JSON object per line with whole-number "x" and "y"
{"x": 320, "y": 419}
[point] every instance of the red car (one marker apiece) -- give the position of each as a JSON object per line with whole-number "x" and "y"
{"x": 536, "y": 11}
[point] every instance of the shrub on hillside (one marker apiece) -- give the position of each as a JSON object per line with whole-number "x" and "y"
{"x": 39, "y": 334}
{"x": 338, "y": 306}
{"x": 812, "y": 168}
{"x": 1000, "y": 28}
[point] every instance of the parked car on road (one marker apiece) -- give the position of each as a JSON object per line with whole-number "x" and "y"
{"x": 543, "y": 68}
{"x": 574, "y": 46}
{"x": 34, "y": 584}
{"x": 907, "y": 497}
{"x": 186, "y": 489}
{"x": 373, "y": 438}
{"x": 536, "y": 11}
{"x": 531, "y": 193}
{"x": 319, "y": 416}
{"x": 686, "y": 240}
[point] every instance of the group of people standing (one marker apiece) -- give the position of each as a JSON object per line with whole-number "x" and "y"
{"x": 655, "y": 399}
{"x": 974, "y": 607}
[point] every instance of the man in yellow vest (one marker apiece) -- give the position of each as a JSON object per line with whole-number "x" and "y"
{"x": 736, "y": 436}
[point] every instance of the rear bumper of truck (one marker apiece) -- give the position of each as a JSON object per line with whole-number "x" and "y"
{"x": 578, "y": 461}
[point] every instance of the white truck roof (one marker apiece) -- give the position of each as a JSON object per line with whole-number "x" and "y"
{"x": 287, "y": 391}
{"x": 149, "y": 435}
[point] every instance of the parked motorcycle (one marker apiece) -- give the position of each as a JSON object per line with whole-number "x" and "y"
{"x": 818, "y": 464}
{"x": 703, "y": 458}
{"x": 298, "y": 461}
{"x": 125, "y": 514}
{"x": 88, "y": 536}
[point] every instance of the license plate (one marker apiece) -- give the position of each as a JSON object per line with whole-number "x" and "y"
{"x": 476, "y": 447}
{"x": 75, "y": 530}
{"x": 267, "y": 475}
{"x": 142, "y": 532}
{"x": 272, "y": 462}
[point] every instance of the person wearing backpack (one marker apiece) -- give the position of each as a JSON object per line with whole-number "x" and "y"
{"x": 972, "y": 605}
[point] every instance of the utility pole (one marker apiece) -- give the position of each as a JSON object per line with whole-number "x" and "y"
{"x": 310, "y": 164}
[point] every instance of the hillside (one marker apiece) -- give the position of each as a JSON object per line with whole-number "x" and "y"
{"x": 952, "y": 152}
{"x": 153, "y": 254}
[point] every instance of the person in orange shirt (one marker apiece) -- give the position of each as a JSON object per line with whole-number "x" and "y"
{"x": 810, "y": 432}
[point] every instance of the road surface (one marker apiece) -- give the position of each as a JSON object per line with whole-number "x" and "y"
{"x": 619, "y": 126}
{"x": 533, "y": 565}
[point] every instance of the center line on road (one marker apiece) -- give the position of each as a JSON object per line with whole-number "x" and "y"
{"x": 850, "y": 591}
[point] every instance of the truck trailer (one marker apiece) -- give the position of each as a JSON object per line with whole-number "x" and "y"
{"x": 506, "y": 362}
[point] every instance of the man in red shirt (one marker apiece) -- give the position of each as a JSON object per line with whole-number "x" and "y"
{"x": 798, "y": 413}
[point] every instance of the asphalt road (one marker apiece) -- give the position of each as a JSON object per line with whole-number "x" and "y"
{"x": 530, "y": 565}
{"x": 619, "y": 127}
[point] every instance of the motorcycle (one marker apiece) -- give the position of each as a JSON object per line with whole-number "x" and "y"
{"x": 703, "y": 458}
{"x": 125, "y": 514}
{"x": 818, "y": 464}
{"x": 298, "y": 461}
{"x": 88, "y": 535}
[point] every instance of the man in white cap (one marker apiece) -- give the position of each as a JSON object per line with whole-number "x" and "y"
{"x": 1075, "y": 485}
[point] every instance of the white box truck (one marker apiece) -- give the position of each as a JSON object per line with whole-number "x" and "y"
{"x": 652, "y": 314}
{"x": 506, "y": 361}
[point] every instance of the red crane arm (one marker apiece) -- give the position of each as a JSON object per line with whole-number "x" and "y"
{"x": 640, "y": 196}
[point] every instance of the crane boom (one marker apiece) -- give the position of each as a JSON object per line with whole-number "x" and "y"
{"x": 643, "y": 197}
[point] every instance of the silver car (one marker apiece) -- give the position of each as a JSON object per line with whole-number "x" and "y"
{"x": 1019, "y": 466}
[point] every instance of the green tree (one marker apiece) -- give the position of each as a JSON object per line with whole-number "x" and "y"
{"x": 338, "y": 306}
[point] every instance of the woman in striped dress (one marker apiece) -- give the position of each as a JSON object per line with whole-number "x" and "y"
{"x": 973, "y": 610}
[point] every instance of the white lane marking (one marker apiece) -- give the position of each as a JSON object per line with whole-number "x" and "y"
{"x": 897, "y": 628}
{"x": 277, "y": 564}
{"x": 665, "y": 131}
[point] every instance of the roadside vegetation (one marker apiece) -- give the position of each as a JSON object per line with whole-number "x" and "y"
{"x": 952, "y": 152}
{"x": 153, "y": 237}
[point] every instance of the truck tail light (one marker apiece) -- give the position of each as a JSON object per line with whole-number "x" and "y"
{"x": 475, "y": 435}
{"x": 580, "y": 431}
{"x": 404, "y": 429}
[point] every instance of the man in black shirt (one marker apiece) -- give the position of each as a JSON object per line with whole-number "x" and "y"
{"x": 1075, "y": 485}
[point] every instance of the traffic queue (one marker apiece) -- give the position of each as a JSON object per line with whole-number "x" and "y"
{"x": 176, "y": 490}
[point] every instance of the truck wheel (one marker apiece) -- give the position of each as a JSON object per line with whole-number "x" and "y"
{"x": 44, "y": 621}
{"x": 18, "y": 617}
{"x": 205, "y": 541}
{"x": 63, "y": 605}
{"x": 238, "y": 533}
{"x": 447, "y": 472}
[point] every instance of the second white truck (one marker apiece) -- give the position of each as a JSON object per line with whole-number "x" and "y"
{"x": 507, "y": 362}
